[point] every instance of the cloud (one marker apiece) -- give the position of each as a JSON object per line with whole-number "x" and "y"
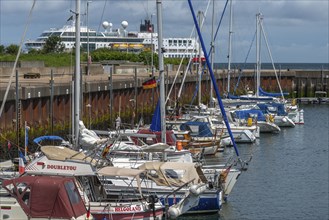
{"x": 303, "y": 22}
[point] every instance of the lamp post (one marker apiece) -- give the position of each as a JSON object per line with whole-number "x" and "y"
{"x": 88, "y": 56}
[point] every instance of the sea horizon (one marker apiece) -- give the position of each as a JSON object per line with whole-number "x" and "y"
{"x": 278, "y": 66}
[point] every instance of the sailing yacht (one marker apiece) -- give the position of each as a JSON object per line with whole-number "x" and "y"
{"x": 62, "y": 161}
{"x": 281, "y": 117}
{"x": 265, "y": 122}
{"x": 292, "y": 117}
{"x": 43, "y": 197}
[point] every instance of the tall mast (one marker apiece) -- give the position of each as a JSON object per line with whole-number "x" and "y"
{"x": 76, "y": 107}
{"x": 212, "y": 51}
{"x": 229, "y": 50}
{"x": 161, "y": 72}
{"x": 220, "y": 103}
{"x": 200, "y": 65}
{"x": 258, "y": 20}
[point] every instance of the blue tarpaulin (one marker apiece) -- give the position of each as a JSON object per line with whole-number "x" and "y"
{"x": 245, "y": 114}
{"x": 197, "y": 129}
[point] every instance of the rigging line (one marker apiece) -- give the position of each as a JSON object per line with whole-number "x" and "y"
{"x": 217, "y": 29}
{"x": 181, "y": 62}
{"x": 215, "y": 87}
{"x": 216, "y": 33}
{"x": 184, "y": 77}
{"x": 244, "y": 64}
{"x": 211, "y": 48}
{"x": 195, "y": 93}
{"x": 100, "y": 23}
{"x": 16, "y": 60}
{"x": 13, "y": 144}
{"x": 270, "y": 54}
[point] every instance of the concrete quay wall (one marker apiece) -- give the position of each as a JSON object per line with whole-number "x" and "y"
{"x": 104, "y": 98}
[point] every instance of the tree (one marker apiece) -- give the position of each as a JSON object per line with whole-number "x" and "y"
{"x": 53, "y": 45}
{"x": 12, "y": 49}
{"x": 34, "y": 51}
{"x": 2, "y": 49}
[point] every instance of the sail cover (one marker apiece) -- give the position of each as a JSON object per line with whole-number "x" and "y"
{"x": 264, "y": 93}
{"x": 156, "y": 119}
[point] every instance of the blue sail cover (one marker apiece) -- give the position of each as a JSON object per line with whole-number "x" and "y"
{"x": 264, "y": 93}
{"x": 275, "y": 108}
{"x": 47, "y": 138}
{"x": 197, "y": 129}
{"x": 251, "y": 98}
{"x": 156, "y": 119}
{"x": 245, "y": 114}
{"x": 230, "y": 96}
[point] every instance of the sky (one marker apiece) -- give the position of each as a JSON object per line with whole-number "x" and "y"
{"x": 297, "y": 31}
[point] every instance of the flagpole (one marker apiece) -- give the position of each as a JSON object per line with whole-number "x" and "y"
{"x": 26, "y": 138}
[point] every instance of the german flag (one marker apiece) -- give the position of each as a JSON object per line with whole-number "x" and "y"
{"x": 149, "y": 84}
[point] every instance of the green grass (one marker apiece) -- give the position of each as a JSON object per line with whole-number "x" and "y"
{"x": 50, "y": 60}
{"x": 68, "y": 59}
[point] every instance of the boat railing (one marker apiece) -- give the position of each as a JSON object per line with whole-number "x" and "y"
{"x": 172, "y": 193}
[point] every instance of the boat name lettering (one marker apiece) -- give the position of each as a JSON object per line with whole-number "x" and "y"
{"x": 61, "y": 167}
{"x": 127, "y": 209}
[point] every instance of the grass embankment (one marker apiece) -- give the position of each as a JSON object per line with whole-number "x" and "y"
{"x": 50, "y": 60}
{"x": 68, "y": 59}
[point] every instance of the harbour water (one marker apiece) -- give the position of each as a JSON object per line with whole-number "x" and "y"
{"x": 287, "y": 177}
{"x": 278, "y": 66}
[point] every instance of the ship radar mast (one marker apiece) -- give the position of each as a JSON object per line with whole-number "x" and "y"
{"x": 124, "y": 25}
{"x": 107, "y": 25}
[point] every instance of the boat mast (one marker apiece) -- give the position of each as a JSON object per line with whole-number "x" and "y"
{"x": 76, "y": 106}
{"x": 258, "y": 20}
{"x": 88, "y": 52}
{"x": 220, "y": 103}
{"x": 200, "y": 64}
{"x": 212, "y": 52}
{"x": 161, "y": 72}
{"x": 270, "y": 54}
{"x": 229, "y": 50}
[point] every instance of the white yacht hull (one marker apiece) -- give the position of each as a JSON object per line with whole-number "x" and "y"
{"x": 242, "y": 135}
{"x": 268, "y": 127}
{"x": 283, "y": 121}
{"x": 297, "y": 116}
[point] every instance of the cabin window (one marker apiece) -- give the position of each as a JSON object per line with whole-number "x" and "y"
{"x": 174, "y": 174}
{"x": 26, "y": 196}
{"x": 72, "y": 192}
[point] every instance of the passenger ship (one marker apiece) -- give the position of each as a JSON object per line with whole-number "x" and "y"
{"x": 119, "y": 39}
